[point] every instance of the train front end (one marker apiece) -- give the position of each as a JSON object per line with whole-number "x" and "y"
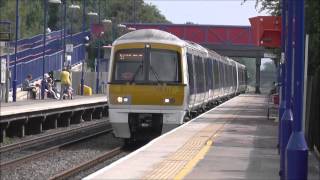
{"x": 146, "y": 89}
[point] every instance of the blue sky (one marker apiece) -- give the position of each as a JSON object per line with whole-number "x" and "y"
{"x": 216, "y": 12}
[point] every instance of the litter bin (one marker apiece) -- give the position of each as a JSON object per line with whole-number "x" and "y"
{"x": 87, "y": 91}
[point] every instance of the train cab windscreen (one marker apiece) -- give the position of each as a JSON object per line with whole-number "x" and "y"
{"x": 164, "y": 66}
{"x": 160, "y": 66}
{"x": 129, "y": 65}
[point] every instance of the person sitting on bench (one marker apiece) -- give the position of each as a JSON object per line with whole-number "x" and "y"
{"x": 28, "y": 86}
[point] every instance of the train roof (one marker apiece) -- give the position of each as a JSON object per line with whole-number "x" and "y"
{"x": 149, "y": 35}
{"x": 158, "y": 36}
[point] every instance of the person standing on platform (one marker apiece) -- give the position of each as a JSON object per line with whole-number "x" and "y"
{"x": 65, "y": 82}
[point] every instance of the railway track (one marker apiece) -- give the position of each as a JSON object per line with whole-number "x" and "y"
{"x": 88, "y": 164}
{"x": 33, "y": 156}
{"x": 51, "y": 137}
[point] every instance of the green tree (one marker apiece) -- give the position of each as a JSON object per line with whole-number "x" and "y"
{"x": 31, "y": 14}
{"x": 312, "y": 26}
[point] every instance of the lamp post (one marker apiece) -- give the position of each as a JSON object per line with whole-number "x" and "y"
{"x": 287, "y": 117}
{"x": 282, "y": 66}
{"x": 297, "y": 149}
{"x": 84, "y": 42}
{"x": 44, "y": 46}
{"x": 72, "y": 7}
{"x": 14, "y": 82}
{"x": 44, "y": 41}
{"x": 134, "y": 11}
{"x": 64, "y": 31}
{"x": 98, "y": 58}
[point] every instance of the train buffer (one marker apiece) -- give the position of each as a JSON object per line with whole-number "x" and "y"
{"x": 235, "y": 140}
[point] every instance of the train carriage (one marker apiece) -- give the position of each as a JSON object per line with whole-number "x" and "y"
{"x": 156, "y": 80}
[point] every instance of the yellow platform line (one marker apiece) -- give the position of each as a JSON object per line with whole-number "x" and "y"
{"x": 201, "y": 154}
{"x": 180, "y": 163}
{"x": 191, "y": 164}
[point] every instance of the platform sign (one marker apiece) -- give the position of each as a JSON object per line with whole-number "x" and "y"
{"x": 69, "y": 48}
{"x": 5, "y": 31}
{"x": 3, "y": 70}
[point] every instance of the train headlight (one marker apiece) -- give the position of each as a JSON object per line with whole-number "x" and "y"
{"x": 123, "y": 100}
{"x": 168, "y": 100}
{"x": 120, "y": 99}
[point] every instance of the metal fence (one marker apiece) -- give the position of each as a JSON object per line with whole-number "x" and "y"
{"x": 53, "y": 45}
{"x": 53, "y": 62}
{"x": 30, "y": 54}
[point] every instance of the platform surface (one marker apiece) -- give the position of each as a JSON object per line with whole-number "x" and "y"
{"x": 39, "y": 105}
{"x": 232, "y": 141}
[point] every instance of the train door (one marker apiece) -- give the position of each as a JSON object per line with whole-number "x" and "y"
{"x": 191, "y": 76}
{"x": 237, "y": 78}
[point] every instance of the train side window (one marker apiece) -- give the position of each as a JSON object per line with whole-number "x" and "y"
{"x": 234, "y": 75}
{"x": 216, "y": 74}
{"x": 230, "y": 75}
{"x": 211, "y": 75}
{"x": 225, "y": 75}
{"x": 202, "y": 71}
{"x": 222, "y": 75}
{"x": 198, "y": 76}
{"x": 190, "y": 72}
{"x": 208, "y": 68}
{"x": 196, "y": 72}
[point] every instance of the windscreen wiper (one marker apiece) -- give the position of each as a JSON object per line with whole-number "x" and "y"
{"x": 155, "y": 74}
{"x": 136, "y": 73}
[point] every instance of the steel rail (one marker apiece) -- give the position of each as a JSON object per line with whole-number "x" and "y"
{"x": 38, "y": 154}
{"x": 49, "y": 137}
{"x": 87, "y": 165}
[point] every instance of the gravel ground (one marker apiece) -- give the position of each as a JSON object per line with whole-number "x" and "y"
{"x": 55, "y": 163}
{"x": 127, "y": 150}
{"x": 17, "y": 153}
{"x": 8, "y": 140}
{"x": 99, "y": 166}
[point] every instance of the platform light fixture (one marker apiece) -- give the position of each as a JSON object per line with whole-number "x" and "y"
{"x": 106, "y": 21}
{"x": 44, "y": 40}
{"x": 121, "y": 26}
{"x": 74, "y": 6}
{"x": 49, "y": 30}
{"x": 131, "y": 29}
{"x": 55, "y": 1}
{"x": 92, "y": 13}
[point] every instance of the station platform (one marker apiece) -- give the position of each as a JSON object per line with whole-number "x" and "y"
{"x": 34, "y": 116}
{"x": 235, "y": 140}
{"x": 29, "y": 106}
